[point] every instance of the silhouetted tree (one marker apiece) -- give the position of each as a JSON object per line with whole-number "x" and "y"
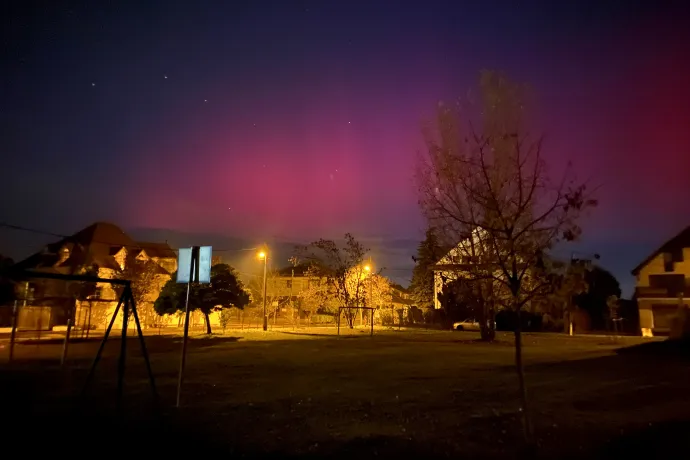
{"x": 6, "y": 285}
{"x": 601, "y": 284}
{"x": 630, "y": 314}
{"x": 458, "y": 301}
{"x": 224, "y": 291}
{"x": 487, "y": 194}
{"x": 422, "y": 285}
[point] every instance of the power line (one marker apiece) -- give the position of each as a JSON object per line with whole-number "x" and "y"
{"x": 137, "y": 246}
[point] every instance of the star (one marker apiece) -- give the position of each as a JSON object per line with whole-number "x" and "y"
{"x": 165, "y": 76}
{"x": 93, "y": 84}
{"x": 205, "y": 100}
{"x": 348, "y": 122}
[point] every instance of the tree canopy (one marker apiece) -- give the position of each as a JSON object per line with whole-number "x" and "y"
{"x": 601, "y": 285}
{"x": 224, "y": 291}
{"x": 7, "y": 293}
{"x": 429, "y": 252}
{"x": 339, "y": 273}
{"x": 485, "y": 188}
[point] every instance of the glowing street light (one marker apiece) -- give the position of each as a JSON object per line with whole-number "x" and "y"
{"x": 367, "y": 268}
{"x": 264, "y": 256}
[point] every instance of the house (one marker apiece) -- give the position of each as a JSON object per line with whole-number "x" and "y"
{"x": 288, "y": 283}
{"x": 457, "y": 263}
{"x": 401, "y": 297}
{"x": 662, "y": 284}
{"x": 470, "y": 259}
{"x": 102, "y": 249}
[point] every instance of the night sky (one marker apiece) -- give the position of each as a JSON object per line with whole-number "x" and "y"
{"x": 288, "y": 121}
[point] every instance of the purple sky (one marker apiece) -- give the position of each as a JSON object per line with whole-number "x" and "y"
{"x": 288, "y": 121}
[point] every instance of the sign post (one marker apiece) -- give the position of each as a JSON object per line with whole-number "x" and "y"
{"x": 193, "y": 265}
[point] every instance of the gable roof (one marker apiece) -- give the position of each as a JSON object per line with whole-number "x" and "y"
{"x": 94, "y": 245}
{"x": 300, "y": 270}
{"x": 159, "y": 250}
{"x": 681, "y": 240}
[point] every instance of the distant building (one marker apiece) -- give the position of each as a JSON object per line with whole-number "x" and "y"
{"x": 469, "y": 260}
{"x": 401, "y": 297}
{"x": 663, "y": 284}
{"x": 457, "y": 263}
{"x": 288, "y": 283}
{"x": 102, "y": 249}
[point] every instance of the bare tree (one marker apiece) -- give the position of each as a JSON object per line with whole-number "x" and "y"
{"x": 340, "y": 272}
{"x": 488, "y": 193}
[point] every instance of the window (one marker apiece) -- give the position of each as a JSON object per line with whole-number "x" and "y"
{"x": 668, "y": 262}
{"x": 288, "y": 284}
{"x": 97, "y": 293}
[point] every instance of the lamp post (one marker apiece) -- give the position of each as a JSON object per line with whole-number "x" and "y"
{"x": 294, "y": 261}
{"x": 367, "y": 268}
{"x": 264, "y": 256}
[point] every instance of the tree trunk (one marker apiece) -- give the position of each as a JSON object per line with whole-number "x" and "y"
{"x": 524, "y": 410}
{"x": 208, "y": 323}
{"x": 487, "y": 330}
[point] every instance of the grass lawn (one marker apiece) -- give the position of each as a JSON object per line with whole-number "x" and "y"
{"x": 422, "y": 393}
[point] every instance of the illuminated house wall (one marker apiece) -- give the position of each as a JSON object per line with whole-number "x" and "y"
{"x": 663, "y": 284}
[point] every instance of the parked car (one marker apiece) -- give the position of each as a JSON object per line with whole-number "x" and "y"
{"x": 470, "y": 324}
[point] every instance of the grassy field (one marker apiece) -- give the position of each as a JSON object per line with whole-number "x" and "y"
{"x": 430, "y": 394}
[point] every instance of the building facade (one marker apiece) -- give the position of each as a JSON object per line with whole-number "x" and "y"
{"x": 103, "y": 250}
{"x": 662, "y": 285}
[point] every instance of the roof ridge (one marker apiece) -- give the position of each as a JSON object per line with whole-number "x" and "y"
{"x": 656, "y": 252}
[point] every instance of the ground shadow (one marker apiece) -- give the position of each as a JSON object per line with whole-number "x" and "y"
{"x": 667, "y": 348}
{"x": 661, "y": 440}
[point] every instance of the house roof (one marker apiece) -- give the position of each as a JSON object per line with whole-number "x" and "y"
{"x": 681, "y": 240}
{"x": 300, "y": 270}
{"x": 159, "y": 250}
{"x": 94, "y": 245}
{"x": 400, "y": 288}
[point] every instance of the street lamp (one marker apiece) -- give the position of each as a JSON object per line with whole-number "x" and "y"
{"x": 264, "y": 256}
{"x": 367, "y": 268}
